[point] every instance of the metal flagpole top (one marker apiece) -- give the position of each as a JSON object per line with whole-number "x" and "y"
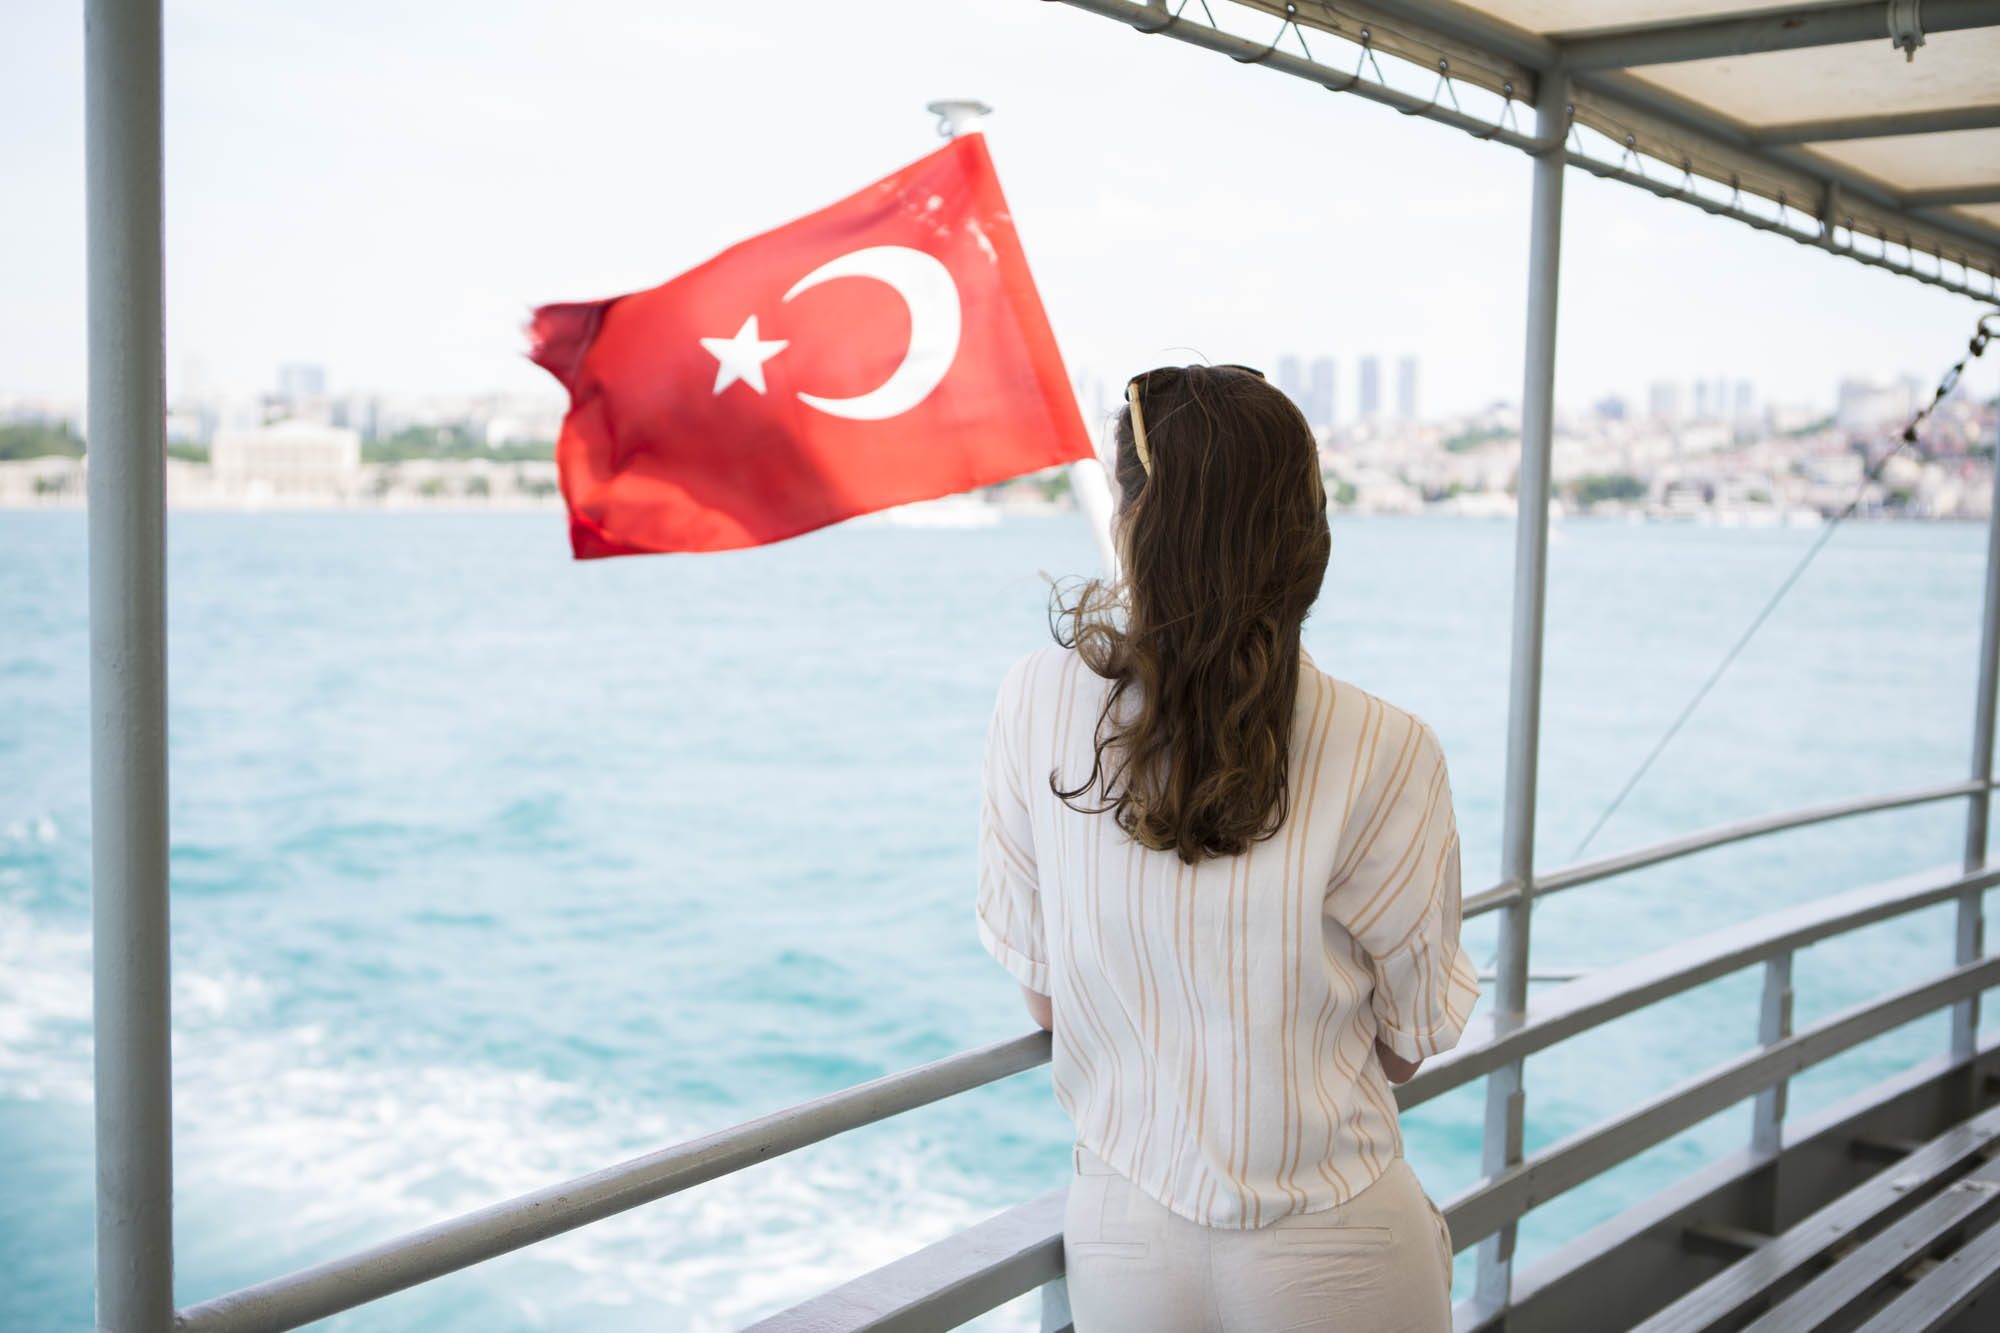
{"x": 958, "y": 115}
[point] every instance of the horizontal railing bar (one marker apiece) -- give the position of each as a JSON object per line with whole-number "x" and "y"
{"x": 459, "y": 1242}
{"x": 945, "y": 1284}
{"x": 1493, "y": 1203}
{"x": 1720, "y": 835}
{"x": 1612, "y": 992}
{"x": 1490, "y": 900}
{"x": 1583, "y": 872}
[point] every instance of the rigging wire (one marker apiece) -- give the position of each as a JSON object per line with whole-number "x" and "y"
{"x": 1976, "y": 347}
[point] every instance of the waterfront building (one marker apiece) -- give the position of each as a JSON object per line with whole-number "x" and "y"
{"x": 296, "y": 459}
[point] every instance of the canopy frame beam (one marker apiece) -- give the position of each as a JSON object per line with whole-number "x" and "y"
{"x": 1493, "y": 54}
{"x": 1755, "y": 34}
{"x": 1878, "y": 127}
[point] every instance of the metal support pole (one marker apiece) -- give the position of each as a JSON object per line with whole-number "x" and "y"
{"x": 1767, "y": 1113}
{"x": 1774, "y": 1024}
{"x": 1971, "y": 908}
{"x": 1502, "y": 1144}
{"x": 128, "y": 666}
{"x": 958, "y": 116}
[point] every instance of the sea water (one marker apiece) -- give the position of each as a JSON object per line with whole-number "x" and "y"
{"x": 491, "y": 869}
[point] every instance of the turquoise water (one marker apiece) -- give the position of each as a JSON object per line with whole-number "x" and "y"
{"x": 491, "y": 869}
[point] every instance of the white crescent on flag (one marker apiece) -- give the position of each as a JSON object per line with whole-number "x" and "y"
{"x": 927, "y": 289}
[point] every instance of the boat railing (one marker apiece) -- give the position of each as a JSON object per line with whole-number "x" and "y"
{"x": 1020, "y": 1250}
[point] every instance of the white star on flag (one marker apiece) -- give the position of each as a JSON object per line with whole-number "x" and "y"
{"x": 742, "y": 357}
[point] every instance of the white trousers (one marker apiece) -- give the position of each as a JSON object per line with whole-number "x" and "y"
{"x": 1379, "y": 1263}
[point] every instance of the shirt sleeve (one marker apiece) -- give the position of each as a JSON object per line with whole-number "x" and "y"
{"x": 1010, "y": 903}
{"x": 1396, "y": 890}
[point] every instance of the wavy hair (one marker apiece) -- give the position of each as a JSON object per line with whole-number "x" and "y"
{"x": 1223, "y": 547}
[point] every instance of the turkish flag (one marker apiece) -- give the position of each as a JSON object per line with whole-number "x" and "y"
{"x": 886, "y": 349}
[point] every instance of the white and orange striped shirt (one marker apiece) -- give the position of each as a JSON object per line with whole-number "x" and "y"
{"x": 1215, "y": 1024}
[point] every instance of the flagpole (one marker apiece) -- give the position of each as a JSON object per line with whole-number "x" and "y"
{"x": 1088, "y": 479}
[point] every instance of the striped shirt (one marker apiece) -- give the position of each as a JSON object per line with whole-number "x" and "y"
{"x": 1215, "y": 1023}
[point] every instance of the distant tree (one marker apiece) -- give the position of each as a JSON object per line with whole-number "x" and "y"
{"x": 1472, "y": 439}
{"x": 188, "y": 453}
{"x": 1613, "y": 486}
{"x": 449, "y": 441}
{"x": 39, "y": 439}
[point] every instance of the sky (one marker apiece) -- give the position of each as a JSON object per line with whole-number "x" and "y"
{"x": 386, "y": 189}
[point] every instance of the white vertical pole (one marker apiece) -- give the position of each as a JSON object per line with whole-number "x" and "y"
{"x": 1093, "y": 494}
{"x": 128, "y": 669}
{"x": 1502, "y": 1144}
{"x": 1971, "y": 925}
{"x": 1087, "y": 478}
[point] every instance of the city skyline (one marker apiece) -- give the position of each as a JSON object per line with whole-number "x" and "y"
{"x": 399, "y": 234}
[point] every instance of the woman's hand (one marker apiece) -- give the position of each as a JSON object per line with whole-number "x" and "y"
{"x": 1395, "y": 1066}
{"x": 1039, "y": 1008}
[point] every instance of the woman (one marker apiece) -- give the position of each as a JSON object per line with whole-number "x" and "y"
{"x": 1229, "y": 884}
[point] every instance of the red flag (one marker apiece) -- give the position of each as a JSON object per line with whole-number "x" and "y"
{"x": 886, "y": 349}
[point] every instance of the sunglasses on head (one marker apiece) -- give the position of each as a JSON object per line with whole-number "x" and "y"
{"x": 1136, "y": 386}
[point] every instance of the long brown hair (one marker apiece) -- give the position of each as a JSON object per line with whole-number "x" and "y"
{"x": 1224, "y": 546}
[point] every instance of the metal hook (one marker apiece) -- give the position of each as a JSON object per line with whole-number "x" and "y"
{"x": 1506, "y": 119}
{"x": 1268, "y": 51}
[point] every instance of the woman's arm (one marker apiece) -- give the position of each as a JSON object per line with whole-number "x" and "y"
{"x": 1395, "y": 1066}
{"x": 1039, "y": 1008}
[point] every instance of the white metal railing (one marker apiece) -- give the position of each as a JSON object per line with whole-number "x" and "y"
{"x": 1586, "y": 872}
{"x": 1008, "y": 1256}
{"x": 1554, "y": 1016}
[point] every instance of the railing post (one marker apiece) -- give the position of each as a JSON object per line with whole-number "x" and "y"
{"x": 1971, "y": 907}
{"x": 1767, "y": 1113}
{"x": 128, "y": 666}
{"x": 1774, "y": 1024}
{"x": 1504, "y": 1094}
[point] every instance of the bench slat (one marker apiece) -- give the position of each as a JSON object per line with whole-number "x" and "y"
{"x": 1947, "y": 1289}
{"x": 1729, "y": 1291}
{"x": 1872, "y": 1263}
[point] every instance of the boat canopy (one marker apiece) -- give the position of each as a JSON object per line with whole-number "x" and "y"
{"x": 1870, "y": 129}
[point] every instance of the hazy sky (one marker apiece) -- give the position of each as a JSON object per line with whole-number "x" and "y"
{"x": 387, "y": 188}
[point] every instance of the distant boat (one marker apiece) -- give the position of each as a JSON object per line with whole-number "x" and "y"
{"x": 950, "y": 511}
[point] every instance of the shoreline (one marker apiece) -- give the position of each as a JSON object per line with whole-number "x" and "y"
{"x": 1727, "y": 517}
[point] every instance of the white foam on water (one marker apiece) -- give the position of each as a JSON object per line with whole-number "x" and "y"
{"x": 44, "y": 1008}
{"x": 290, "y": 1150}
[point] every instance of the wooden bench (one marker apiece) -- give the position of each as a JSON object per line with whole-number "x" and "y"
{"x": 1886, "y": 1194}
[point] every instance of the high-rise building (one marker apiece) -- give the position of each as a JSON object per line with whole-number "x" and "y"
{"x": 1743, "y": 404}
{"x": 1703, "y": 408}
{"x": 1368, "y": 403}
{"x": 299, "y": 383}
{"x": 1663, "y": 400}
{"x": 1406, "y": 388}
{"x": 1321, "y": 400}
{"x": 1292, "y": 379}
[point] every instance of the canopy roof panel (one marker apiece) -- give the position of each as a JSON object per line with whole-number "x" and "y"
{"x": 1951, "y": 69}
{"x": 1810, "y": 108}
